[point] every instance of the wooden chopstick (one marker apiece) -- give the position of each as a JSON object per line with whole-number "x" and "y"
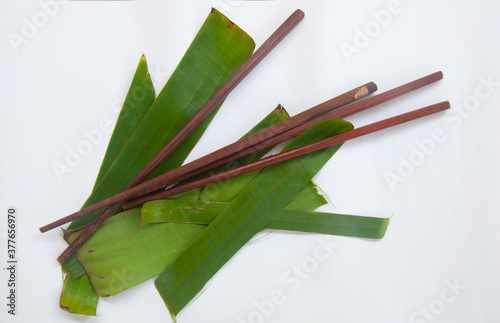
{"x": 204, "y": 111}
{"x": 300, "y": 151}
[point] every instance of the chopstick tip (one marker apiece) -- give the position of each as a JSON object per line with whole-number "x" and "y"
{"x": 299, "y": 13}
{"x": 365, "y": 90}
{"x": 438, "y": 107}
{"x": 372, "y": 87}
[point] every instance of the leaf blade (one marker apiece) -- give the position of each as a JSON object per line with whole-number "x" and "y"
{"x": 78, "y": 294}
{"x": 139, "y": 99}
{"x": 76, "y": 297}
{"x": 247, "y": 215}
{"x": 204, "y": 212}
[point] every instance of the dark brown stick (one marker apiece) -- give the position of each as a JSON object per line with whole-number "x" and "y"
{"x": 300, "y": 151}
{"x": 188, "y": 128}
{"x": 198, "y": 166}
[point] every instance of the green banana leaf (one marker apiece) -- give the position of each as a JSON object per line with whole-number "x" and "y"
{"x": 244, "y": 217}
{"x": 73, "y": 267}
{"x": 78, "y": 295}
{"x": 140, "y": 97}
{"x": 214, "y": 55}
{"x": 204, "y": 212}
{"x": 121, "y": 254}
{"x": 309, "y": 198}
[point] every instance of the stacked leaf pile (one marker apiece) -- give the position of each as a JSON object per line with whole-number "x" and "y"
{"x": 186, "y": 239}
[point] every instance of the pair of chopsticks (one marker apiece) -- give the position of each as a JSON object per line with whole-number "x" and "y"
{"x": 136, "y": 194}
{"x": 290, "y": 129}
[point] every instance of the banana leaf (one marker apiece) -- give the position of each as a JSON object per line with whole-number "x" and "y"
{"x": 140, "y": 97}
{"x": 78, "y": 295}
{"x": 243, "y": 218}
{"x": 121, "y": 254}
{"x": 204, "y": 212}
{"x": 214, "y": 55}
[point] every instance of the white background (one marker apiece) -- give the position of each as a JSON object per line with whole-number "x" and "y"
{"x": 72, "y": 71}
